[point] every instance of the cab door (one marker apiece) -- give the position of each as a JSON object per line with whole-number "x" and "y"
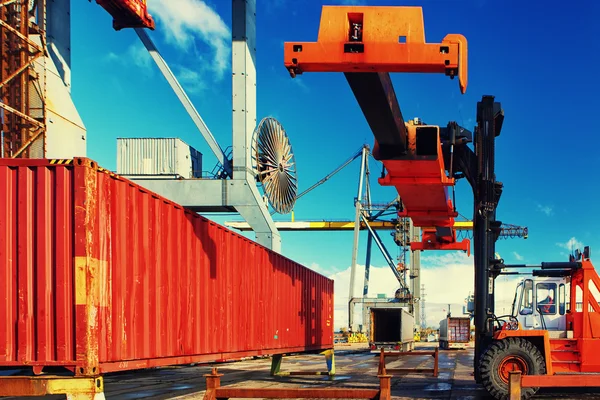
{"x": 527, "y": 315}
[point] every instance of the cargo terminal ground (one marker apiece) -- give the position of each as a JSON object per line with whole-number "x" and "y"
{"x": 355, "y": 368}
{"x": 124, "y": 273}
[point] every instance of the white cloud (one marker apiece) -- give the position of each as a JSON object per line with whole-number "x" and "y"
{"x": 185, "y": 21}
{"x": 191, "y": 80}
{"x": 517, "y": 256}
{"x": 140, "y": 57}
{"x": 448, "y": 279}
{"x": 301, "y": 85}
{"x": 571, "y": 244}
{"x": 137, "y": 55}
{"x": 548, "y": 210}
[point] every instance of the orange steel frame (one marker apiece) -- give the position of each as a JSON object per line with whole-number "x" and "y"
{"x": 393, "y": 40}
{"x": 21, "y": 122}
{"x": 585, "y": 325}
{"x": 381, "y": 40}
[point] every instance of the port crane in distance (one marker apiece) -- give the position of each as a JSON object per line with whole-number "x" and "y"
{"x": 423, "y": 161}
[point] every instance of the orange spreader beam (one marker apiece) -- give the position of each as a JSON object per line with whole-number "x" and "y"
{"x": 367, "y": 43}
{"x": 420, "y": 178}
{"x": 377, "y": 39}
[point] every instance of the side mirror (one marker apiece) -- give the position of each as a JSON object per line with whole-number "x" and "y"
{"x": 586, "y": 252}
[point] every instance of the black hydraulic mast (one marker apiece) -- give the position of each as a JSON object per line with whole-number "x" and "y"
{"x": 478, "y": 166}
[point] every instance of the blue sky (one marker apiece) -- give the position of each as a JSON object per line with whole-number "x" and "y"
{"x": 539, "y": 61}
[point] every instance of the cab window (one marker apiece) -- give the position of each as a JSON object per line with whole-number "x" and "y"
{"x": 527, "y": 299}
{"x": 546, "y": 298}
{"x": 561, "y": 299}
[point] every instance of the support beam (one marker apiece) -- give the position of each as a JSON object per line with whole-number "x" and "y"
{"x": 357, "y": 217}
{"x": 355, "y": 242}
{"x": 317, "y": 225}
{"x": 367, "y": 265}
{"x": 219, "y": 195}
{"x": 385, "y": 253}
{"x": 415, "y": 274}
{"x": 376, "y": 97}
{"x": 243, "y": 80}
{"x": 72, "y": 386}
{"x": 185, "y": 100}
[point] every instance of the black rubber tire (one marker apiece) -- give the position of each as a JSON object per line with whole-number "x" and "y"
{"x": 493, "y": 356}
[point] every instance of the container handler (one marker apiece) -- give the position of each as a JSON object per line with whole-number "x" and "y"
{"x": 561, "y": 357}
{"x": 424, "y": 161}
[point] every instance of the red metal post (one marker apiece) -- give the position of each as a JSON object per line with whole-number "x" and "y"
{"x": 385, "y": 387}
{"x": 514, "y": 385}
{"x": 213, "y": 381}
{"x": 436, "y": 358}
{"x": 381, "y": 370}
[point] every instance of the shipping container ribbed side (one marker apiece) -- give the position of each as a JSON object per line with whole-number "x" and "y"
{"x": 98, "y": 274}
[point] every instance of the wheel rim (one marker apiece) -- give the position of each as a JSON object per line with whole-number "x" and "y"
{"x": 512, "y": 364}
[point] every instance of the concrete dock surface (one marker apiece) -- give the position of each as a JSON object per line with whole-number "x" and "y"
{"x": 356, "y": 367}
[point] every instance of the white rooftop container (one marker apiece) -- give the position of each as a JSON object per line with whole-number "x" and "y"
{"x": 158, "y": 157}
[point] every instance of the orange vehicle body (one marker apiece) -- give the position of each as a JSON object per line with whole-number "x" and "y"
{"x": 358, "y": 39}
{"x": 579, "y": 352}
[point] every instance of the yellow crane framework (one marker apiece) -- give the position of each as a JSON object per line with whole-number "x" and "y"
{"x": 507, "y": 230}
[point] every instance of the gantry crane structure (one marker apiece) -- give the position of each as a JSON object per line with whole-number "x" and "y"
{"x": 40, "y": 120}
{"x": 421, "y": 161}
{"x": 375, "y": 217}
{"x": 22, "y": 88}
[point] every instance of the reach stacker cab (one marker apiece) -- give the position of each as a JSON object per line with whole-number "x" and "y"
{"x": 564, "y": 356}
{"x": 541, "y": 302}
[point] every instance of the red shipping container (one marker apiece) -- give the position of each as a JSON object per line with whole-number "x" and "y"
{"x": 98, "y": 274}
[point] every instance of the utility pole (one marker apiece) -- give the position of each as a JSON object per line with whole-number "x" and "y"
{"x": 423, "y": 314}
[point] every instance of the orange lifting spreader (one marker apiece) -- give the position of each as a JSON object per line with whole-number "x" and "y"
{"x": 366, "y": 44}
{"x": 377, "y": 39}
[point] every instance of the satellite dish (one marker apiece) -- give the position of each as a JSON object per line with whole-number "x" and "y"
{"x": 275, "y": 165}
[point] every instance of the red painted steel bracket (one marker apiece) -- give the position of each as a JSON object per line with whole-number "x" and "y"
{"x": 215, "y": 391}
{"x": 377, "y": 39}
{"x": 421, "y": 181}
{"x": 464, "y": 245}
{"x": 128, "y": 13}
